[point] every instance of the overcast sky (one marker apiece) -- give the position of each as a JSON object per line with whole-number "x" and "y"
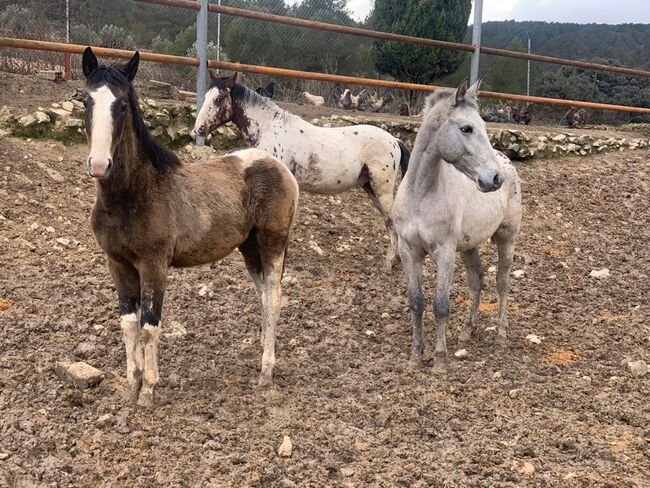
{"x": 581, "y": 11}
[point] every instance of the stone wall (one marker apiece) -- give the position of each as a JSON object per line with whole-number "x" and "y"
{"x": 171, "y": 122}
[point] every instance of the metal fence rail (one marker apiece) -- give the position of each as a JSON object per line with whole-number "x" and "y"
{"x": 352, "y": 80}
{"x": 281, "y": 19}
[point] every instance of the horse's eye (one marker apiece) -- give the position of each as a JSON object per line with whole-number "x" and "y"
{"x": 467, "y": 129}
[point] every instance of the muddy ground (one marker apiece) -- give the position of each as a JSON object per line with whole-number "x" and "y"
{"x": 565, "y": 412}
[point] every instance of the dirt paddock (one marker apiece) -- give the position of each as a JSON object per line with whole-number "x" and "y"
{"x": 565, "y": 412}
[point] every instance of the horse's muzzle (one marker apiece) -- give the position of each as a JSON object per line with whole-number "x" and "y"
{"x": 493, "y": 183}
{"x": 98, "y": 168}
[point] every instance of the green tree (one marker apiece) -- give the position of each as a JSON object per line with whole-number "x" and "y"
{"x": 509, "y": 74}
{"x": 434, "y": 19}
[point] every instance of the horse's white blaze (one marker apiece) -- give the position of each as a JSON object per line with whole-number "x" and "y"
{"x": 101, "y": 133}
{"x": 207, "y": 111}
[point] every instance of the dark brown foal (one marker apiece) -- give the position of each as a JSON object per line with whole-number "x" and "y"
{"x": 153, "y": 212}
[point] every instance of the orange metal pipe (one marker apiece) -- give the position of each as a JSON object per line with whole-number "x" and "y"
{"x": 266, "y": 70}
{"x": 355, "y": 31}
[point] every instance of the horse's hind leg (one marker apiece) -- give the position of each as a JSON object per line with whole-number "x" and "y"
{"x": 272, "y": 247}
{"x": 127, "y": 283}
{"x": 504, "y": 238}
{"x": 250, "y": 251}
{"x": 412, "y": 264}
{"x": 472, "y": 261}
{"x": 382, "y": 198}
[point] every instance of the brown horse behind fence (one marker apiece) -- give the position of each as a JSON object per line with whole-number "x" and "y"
{"x": 153, "y": 212}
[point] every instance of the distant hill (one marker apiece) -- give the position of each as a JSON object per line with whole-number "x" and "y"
{"x": 629, "y": 44}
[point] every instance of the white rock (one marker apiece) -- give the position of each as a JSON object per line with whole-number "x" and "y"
{"x": 385, "y": 315}
{"x": 203, "y": 290}
{"x": 497, "y": 375}
{"x": 286, "y": 448}
{"x": 514, "y": 393}
{"x": 67, "y": 106}
{"x": 64, "y": 242}
{"x": 492, "y": 269}
{"x": 313, "y": 245}
{"x": 4, "y": 455}
{"x": 27, "y": 121}
{"x": 461, "y": 353}
{"x": 74, "y": 123}
{"x": 533, "y": 339}
{"x": 34, "y": 226}
{"x": 347, "y": 472}
{"x": 105, "y": 420}
{"x": 176, "y": 330}
{"x": 519, "y": 273}
{"x": 637, "y": 368}
{"x": 80, "y": 374}
{"x": 370, "y": 333}
{"x": 600, "y": 273}
{"x": 41, "y": 117}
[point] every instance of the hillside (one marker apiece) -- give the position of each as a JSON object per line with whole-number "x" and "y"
{"x": 627, "y": 43}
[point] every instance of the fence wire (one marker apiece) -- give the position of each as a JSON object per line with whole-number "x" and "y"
{"x": 129, "y": 24}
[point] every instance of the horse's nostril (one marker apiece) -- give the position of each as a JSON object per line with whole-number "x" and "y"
{"x": 497, "y": 180}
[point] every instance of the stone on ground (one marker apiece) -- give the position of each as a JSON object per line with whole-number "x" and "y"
{"x": 79, "y": 374}
{"x": 286, "y": 448}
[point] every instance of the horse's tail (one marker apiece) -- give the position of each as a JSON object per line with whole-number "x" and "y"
{"x": 404, "y": 158}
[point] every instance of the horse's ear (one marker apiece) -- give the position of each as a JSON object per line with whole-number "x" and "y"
{"x": 472, "y": 91}
{"x": 89, "y": 61}
{"x": 270, "y": 88}
{"x": 459, "y": 97}
{"x": 131, "y": 68}
{"x": 230, "y": 82}
{"x": 214, "y": 75}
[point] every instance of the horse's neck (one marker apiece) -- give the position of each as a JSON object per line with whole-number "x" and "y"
{"x": 255, "y": 120}
{"x": 132, "y": 172}
{"x": 425, "y": 166}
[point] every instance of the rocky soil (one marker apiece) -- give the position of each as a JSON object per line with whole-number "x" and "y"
{"x": 565, "y": 404}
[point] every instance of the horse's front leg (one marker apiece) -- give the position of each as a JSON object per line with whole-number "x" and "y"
{"x": 472, "y": 261}
{"x": 412, "y": 264}
{"x": 445, "y": 276}
{"x": 153, "y": 277}
{"x": 127, "y": 283}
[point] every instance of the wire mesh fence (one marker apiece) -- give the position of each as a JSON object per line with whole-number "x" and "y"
{"x": 129, "y": 24}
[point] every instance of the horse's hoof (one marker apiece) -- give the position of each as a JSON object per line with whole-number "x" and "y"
{"x": 145, "y": 399}
{"x": 415, "y": 362}
{"x": 439, "y": 363}
{"x": 265, "y": 381}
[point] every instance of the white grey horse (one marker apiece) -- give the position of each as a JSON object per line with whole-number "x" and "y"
{"x": 323, "y": 160}
{"x": 457, "y": 193}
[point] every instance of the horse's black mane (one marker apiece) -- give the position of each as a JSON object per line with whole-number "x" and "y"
{"x": 162, "y": 158}
{"x": 242, "y": 93}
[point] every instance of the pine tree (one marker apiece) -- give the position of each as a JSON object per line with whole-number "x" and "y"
{"x": 433, "y": 19}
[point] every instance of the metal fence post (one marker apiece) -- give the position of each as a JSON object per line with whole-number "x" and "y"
{"x": 476, "y": 39}
{"x": 528, "y": 72}
{"x": 202, "y": 53}
{"x": 219, "y": 34}
{"x": 67, "y": 57}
